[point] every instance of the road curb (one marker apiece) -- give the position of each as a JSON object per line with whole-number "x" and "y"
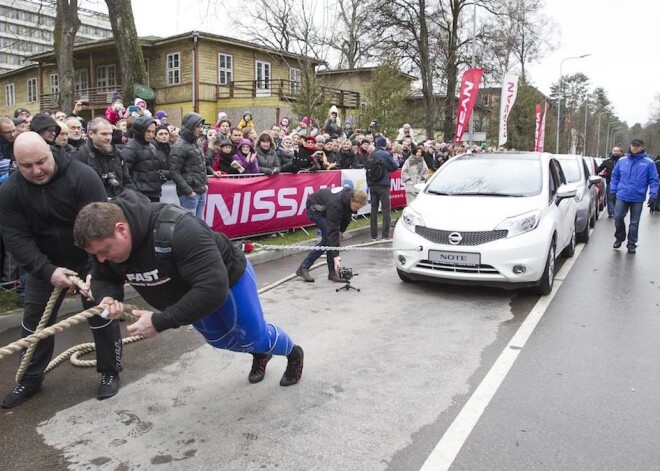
{"x": 71, "y": 305}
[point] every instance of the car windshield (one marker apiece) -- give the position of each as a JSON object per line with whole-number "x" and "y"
{"x": 571, "y": 170}
{"x": 489, "y": 177}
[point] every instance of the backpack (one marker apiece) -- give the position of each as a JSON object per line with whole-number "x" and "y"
{"x": 375, "y": 168}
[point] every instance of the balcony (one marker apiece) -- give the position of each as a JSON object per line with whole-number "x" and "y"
{"x": 285, "y": 90}
{"x": 96, "y": 97}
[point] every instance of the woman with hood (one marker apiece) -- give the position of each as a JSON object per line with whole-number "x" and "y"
{"x": 414, "y": 171}
{"x": 246, "y": 122}
{"x": 141, "y": 108}
{"x": 141, "y": 159}
{"x": 246, "y": 157}
{"x": 269, "y": 162}
{"x": 286, "y": 153}
{"x": 333, "y": 123}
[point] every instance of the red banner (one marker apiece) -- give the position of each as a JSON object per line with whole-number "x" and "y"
{"x": 537, "y": 128}
{"x": 467, "y": 99}
{"x": 239, "y": 207}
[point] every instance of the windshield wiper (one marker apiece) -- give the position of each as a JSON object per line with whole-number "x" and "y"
{"x": 438, "y": 193}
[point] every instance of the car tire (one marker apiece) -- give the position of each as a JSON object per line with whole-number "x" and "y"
{"x": 405, "y": 278}
{"x": 584, "y": 235}
{"x": 548, "y": 278}
{"x": 569, "y": 250}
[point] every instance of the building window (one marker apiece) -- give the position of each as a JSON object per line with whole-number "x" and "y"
{"x": 294, "y": 79}
{"x": 174, "y": 68}
{"x": 81, "y": 82}
{"x": 225, "y": 69}
{"x": 54, "y": 84}
{"x": 32, "y": 90}
{"x": 10, "y": 96}
{"x": 106, "y": 79}
{"x": 262, "y": 77}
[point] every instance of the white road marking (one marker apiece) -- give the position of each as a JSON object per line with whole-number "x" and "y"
{"x": 445, "y": 452}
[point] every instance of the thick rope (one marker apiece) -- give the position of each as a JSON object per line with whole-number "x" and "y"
{"x": 357, "y": 247}
{"x": 25, "y": 361}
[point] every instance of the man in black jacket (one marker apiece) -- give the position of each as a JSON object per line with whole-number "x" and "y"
{"x": 188, "y": 166}
{"x": 379, "y": 189}
{"x": 38, "y": 205}
{"x": 141, "y": 158}
{"x": 207, "y": 283}
{"x": 605, "y": 169}
{"x": 331, "y": 210}
{"x": 103, "y": 156}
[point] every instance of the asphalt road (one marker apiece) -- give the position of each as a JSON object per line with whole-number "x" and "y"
{"x": 387, "y": 370}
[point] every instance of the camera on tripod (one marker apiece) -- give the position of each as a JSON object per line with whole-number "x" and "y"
{"x": 345, "y": 273}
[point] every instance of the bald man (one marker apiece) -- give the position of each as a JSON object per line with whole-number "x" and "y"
{"x": 38, "y": 206}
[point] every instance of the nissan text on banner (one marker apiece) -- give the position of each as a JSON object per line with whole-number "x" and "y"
{"x": 467, "y": 100}
{"x": 507, "y": 99}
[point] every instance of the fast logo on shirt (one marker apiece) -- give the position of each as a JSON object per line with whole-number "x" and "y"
{"x": 147, "y": 278}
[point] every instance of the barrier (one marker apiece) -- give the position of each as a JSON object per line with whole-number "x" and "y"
{"x": 245, "y": 206}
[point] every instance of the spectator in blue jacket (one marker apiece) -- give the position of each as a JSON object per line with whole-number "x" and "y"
{"x": 632, "y": 177}
{"x": 380, "y": 189}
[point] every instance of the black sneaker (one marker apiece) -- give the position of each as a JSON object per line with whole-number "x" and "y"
{"x": 617, "y": 244}
{"x": 109, "y": 385}
{"x": 258, "y": 371}
{"x": 20, "y": 394}
{"x": 294, "y": 367}
{"x": 632, "y": 249}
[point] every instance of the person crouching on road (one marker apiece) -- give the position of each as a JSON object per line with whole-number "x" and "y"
{"x": 209, "y": 283}
{"x": 331, "y": 210}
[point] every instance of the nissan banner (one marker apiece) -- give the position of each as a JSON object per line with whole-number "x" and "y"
{"x": 467, "y": 100}
{"x": 507, "y": 99}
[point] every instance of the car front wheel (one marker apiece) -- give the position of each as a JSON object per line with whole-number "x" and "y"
{"x": 548, "y": 279}
{"x": 569, "y": 250}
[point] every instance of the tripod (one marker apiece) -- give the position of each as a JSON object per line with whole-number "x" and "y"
{"x": 347, "y": 287}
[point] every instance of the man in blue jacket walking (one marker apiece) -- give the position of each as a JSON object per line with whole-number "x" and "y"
{"x": 632, "y": 176}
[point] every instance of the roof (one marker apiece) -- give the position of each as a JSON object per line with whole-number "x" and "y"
{"x": 358, "y": 71}
{"x": 153, "y": 41}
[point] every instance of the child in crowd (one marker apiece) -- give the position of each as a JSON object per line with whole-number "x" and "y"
{"x": 246, "y": 157}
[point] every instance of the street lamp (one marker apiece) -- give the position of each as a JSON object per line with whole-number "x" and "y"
{"x": 586, "y": 113}
{"x": 598, "y": 138}
{"x": 614, "y": 130}
{"x": 560, "y": 93}
{"x": 607, "y": 141}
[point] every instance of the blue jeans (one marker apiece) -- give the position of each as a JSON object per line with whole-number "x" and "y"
{"x": 610, "y": 201}
{"x": 239, "y": 325}
{"x": 322, "y": 222}
{"x": 620, "y": 211}
{"x": 194, "y": 204}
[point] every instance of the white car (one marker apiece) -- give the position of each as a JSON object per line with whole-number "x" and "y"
{"x": 494, "y": 219}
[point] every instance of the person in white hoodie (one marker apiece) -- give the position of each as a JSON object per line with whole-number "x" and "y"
{"x": 333, "y": 123}
{"x": 141, "y": 108}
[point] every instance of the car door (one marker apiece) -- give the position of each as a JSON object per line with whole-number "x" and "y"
{"x": 565, "y": 207}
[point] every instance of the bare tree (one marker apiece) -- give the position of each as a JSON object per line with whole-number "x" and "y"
{"x": 129, "y": 50}
{"x": 66, "y": 28}
{"x": 403, "y": 26}
{"x": 352, "y": 39}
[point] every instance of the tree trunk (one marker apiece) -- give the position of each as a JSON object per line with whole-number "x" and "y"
{"x": 426, "y": 72}
{"x": 452, "y": 71}
{"x": 131, "y": 59}
{"x": 66, "y": 28}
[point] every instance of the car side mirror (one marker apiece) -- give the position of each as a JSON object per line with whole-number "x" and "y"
{"x": 565, "y": 192}
{"x": 594, "y": 180}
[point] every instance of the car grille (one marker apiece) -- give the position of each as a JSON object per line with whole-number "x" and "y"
{"x": 446, "y": 267}
{"x": 469, "y": 238}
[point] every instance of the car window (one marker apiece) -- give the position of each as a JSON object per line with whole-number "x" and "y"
{"x": 552, "y": 178}
{"x": 489, "y": 176}
{"x": 571, "y": 170}
{"x": 587, "y": 172}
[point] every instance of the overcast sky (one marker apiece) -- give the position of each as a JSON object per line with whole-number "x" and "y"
{"x": 620, "y": 35}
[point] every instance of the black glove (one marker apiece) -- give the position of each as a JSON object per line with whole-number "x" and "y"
{"x": 613, "y": 197}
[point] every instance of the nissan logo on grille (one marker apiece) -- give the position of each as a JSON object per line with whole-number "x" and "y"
{"x": 455, "y": 238}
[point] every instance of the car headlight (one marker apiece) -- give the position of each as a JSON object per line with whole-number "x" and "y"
{"x": 411, "y": 218}
{"x": 520, "y": 224}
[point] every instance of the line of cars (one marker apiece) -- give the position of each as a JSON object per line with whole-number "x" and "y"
{"x": 498, "y": 219}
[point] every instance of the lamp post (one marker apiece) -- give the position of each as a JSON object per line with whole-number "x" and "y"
{"x": 586, "y": 113}
{"x": 598, "y": 138}
{"x": 614, "y": 132}
{"x": 560, "y": 93}
{"x": 607, "y": 141}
